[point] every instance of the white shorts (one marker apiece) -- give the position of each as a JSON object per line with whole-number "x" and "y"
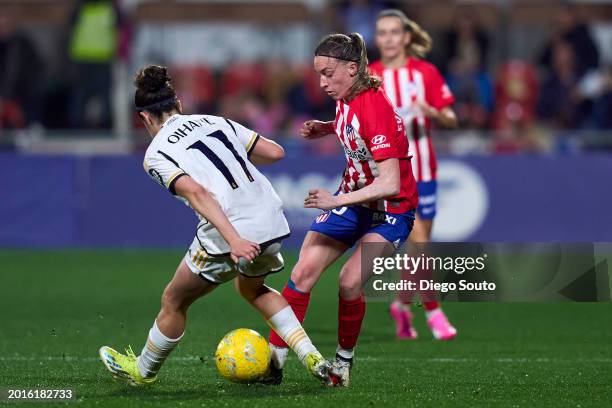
{"x": 220, "y": 269}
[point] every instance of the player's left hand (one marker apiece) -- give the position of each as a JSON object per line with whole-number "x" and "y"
{"x": 319, "y": 198}
{"x": 242, "y": 248}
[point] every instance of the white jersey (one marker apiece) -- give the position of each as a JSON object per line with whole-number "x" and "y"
{"x": 214, "y": 152}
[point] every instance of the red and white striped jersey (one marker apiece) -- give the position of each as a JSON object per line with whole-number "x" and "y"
{"x": 417, "y": 81}
{"x": 371, "y": 131}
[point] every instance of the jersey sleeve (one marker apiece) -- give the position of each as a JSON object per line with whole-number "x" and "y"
{"x": 163, "y": 169}
{"x": 382, "y": 125}
{"x": 439, "y": 94}
{"x": 246, "y": 136}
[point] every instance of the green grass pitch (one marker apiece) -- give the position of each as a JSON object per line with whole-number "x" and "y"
{"x": 58, "y": 308}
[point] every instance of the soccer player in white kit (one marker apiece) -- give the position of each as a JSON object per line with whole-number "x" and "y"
{"x": 206, "y": 162}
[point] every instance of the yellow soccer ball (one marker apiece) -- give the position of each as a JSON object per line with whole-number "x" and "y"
{"x": 243, "y": 356}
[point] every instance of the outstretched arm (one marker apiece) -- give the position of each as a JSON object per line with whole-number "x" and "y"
{"x": 314, "y": 129}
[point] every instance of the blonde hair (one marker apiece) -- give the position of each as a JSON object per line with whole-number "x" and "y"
{"x": 350, "y": 48}
{"x": 420, "y": 41}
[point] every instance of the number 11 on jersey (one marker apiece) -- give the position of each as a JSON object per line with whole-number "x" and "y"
{"x": 216, "y": 160}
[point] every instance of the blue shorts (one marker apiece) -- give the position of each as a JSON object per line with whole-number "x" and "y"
{"x": 427, "y": 199}
{"x": 349, "y": 224}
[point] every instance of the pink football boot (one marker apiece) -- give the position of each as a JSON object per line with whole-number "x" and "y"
{"x": 403, "y": 321}
{"x": 440, "y": 326}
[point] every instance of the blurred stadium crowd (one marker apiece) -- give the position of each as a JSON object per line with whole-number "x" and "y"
{"x": 527, "y": 78}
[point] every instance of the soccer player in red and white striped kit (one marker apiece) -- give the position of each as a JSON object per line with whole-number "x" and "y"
{"x": 375, "y": 202}
{"x": 421, "y": 97}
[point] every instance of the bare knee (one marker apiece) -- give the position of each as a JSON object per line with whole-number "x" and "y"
{"x": 305, "y": 275}
{"x": 350, "y": 284}
{"x": 173, "y": 302}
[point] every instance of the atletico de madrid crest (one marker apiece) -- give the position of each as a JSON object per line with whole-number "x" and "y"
{"x": 350, "y": 132}
{"x": 322, "y": 218}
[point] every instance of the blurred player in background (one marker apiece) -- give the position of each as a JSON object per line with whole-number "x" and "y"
{"x": 421, "y": 96}
{"x": 206, "y": 162}
{"x": 376, "y": 200}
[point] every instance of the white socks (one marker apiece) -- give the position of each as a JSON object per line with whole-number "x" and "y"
{"x": 345, "y": 353}
{"x": 155, "y": 351}
{"x": 284, "y": 323}
{"x": 288, "y": 327}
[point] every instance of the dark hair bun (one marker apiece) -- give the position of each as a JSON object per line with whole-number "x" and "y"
{"x": 357, "y": 41}
{"x": 152, "y": 78}
{"x": 355, "y": 37}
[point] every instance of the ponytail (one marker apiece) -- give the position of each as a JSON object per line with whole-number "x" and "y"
{"x": 420, "y": 40}
{"x": 420, "y": 43}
